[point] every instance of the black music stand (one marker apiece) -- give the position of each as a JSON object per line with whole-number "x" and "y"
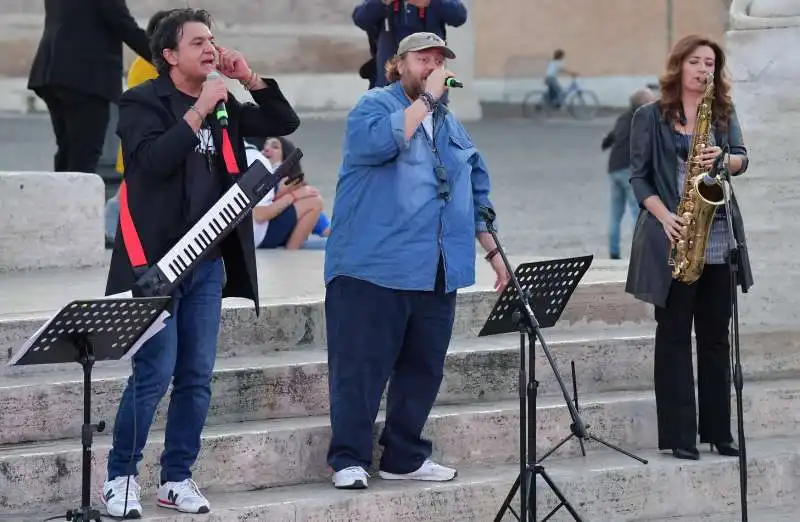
{"x": 545, "y": 286}
{"x": 87, "y": 331}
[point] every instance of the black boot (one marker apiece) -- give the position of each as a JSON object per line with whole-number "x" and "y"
{"x": 726, "y": 449}
{"x": 686, "y": 453}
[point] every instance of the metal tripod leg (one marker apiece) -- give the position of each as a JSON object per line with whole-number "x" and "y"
{"x": 507, "y": 503}
{"x": 616, "y": 448}
{"x": 539, "y": 470}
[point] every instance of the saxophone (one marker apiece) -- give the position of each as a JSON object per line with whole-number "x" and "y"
{"x": 699, "y": 200}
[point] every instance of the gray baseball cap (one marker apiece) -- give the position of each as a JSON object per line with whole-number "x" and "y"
{"x": 422, "y": 41}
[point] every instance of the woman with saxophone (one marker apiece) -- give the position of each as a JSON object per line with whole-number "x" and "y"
{"x": 661, "y": 139}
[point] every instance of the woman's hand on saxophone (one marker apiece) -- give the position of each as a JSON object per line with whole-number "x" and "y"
{"x": 673, "y": 225}
{"x": 708, "y": 155}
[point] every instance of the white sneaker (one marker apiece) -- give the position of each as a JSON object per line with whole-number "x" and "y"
{"x": 121, "y": 497}
{"x": 183, "y": 496}
{"x": 429, "y": 471}
{"x": 354, "y": 477}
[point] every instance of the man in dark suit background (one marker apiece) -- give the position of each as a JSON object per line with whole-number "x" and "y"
{"x": 77, "y": 72}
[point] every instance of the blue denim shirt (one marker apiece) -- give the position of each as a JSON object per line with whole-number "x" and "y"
{"x": 389, "y": 225}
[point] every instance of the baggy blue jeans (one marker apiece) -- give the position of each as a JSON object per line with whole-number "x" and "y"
{"x": 183, "y": 352}
{"x": 375, "y": 335}
{"x": 621, "y": 196}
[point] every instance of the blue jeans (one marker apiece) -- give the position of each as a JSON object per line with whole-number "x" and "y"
{"x": 184, "y": 353}
{"x": 621, "y": 194}
{"x": 374, "y": 334}
{"x": 555, "y": 93}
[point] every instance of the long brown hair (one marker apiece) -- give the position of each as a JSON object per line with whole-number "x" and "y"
{"x": 671, "y": 104}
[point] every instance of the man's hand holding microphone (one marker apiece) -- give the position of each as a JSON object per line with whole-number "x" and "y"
{"x": 214, "y": 92}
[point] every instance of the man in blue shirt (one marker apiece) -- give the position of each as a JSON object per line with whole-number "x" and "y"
{"x": 402, "y": 243}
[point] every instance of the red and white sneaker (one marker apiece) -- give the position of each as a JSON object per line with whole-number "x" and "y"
{"x": 183, "y": 496}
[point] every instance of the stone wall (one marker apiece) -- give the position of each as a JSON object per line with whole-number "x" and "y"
{"x": 609, "y": 37}
{"x": 765, "y": 79}
{"x": 613, "y": 37}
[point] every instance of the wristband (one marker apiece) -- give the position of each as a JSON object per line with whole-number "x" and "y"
{"x": 428, "y": 100}
{"x": 491, "y": 254}
{"x": 248, "y": 84}
{"x": 194, "y": 110}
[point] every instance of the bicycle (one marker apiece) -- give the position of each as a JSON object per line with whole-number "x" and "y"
{"x": 581, "y": 103}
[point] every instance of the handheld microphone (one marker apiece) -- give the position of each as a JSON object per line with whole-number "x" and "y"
{"x": 219, "y": 111}
{"x": 453, "y": 83}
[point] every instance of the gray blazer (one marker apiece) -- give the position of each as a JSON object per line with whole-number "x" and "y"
{"x": 654, "y": 165}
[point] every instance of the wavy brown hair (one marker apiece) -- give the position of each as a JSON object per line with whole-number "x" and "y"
{"x": 392, "y": 68}
{"x": 671, "y": 103}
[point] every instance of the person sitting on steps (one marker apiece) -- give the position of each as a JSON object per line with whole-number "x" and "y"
{"x": 289, "y": 214}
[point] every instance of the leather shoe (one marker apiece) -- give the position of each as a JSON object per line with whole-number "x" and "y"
{"x": 686, "y": 453}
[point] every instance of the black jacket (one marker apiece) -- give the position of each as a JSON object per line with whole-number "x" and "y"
{"x": 619, "y": 140}
{"x": 654, "y": 166}
{"x": 81, "y": 46}
{"x": 156, "y": 141}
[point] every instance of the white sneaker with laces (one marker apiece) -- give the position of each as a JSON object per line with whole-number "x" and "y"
{"x": 184, "y": 496}
{"x": 121, "y": 497}
{"x": 429, "y": 471}
{"x": 354, "y": 477}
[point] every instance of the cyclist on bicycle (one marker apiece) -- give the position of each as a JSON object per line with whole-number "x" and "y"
{"x": 555, "y": 92}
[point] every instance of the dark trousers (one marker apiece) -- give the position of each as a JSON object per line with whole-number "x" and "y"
{"x": 707, "y": 301}
{"x": 375, "y": 333}
{"x": 79, "y": 123}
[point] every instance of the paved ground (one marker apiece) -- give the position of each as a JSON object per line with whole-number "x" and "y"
{"x": 549, "y": 178}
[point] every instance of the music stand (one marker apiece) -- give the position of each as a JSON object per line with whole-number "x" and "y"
{"x": 546, "y": 287}
{"x": 87, "y": 331}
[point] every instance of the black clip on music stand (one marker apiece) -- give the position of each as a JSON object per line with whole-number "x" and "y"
{"x": 86, "y": 332}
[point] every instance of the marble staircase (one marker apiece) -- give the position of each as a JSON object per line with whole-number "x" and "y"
{"x": 264, "y": 445}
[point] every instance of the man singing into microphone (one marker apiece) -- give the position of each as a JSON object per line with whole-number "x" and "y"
{"x": 179, "y": 160}
{"x": 402, "y": 243}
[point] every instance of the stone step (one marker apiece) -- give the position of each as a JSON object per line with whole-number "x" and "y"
{"x": 604, "y": 486}
{"x": 294, "y": 383}
{"x": 33, "y": 202}
{"x": 259, "y": 454}
{"x": 789, "y": 513}
{"x": 300, "y": 324}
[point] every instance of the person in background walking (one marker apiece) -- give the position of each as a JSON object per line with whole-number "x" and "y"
{"x": 389, "y": 21}
{"x": 77, "y": 72}
{"x": 619, "y": 141}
